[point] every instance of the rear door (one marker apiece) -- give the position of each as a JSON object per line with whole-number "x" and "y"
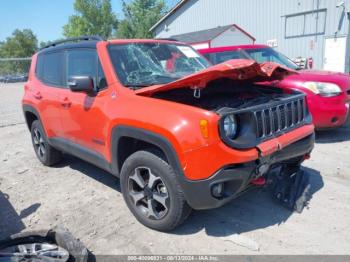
{"x": 47, "y": 89}
{"x": 83, "y": 118}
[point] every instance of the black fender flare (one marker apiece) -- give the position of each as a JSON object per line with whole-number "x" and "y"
{"x": 147, "y": 136}
{"x": 31, "y": 109}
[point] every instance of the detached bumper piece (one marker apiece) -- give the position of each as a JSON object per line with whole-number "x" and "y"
{"x": 291, "y": 187}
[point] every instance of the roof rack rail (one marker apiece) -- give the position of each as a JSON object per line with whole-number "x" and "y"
{"x": 76, "y": 39}
{"x": 168, "y": 39}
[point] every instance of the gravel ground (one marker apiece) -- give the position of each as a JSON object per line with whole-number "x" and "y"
{"x": 88, "y": 202}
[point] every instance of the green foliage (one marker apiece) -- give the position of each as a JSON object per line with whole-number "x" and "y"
{"x": 93, "y": 17}
{"x": 140, "y": 16}
{"x": 21, "y": 44}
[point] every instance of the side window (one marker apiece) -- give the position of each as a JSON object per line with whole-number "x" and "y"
{"x": 208, "y": 57}
{"x": 49, "y": 68}
{"x": 39, "y": 66}
{"x": 85, "y": 63}
{"x": 225, "y": 56}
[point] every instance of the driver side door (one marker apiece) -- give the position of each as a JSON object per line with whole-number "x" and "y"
{"x": 83, "y": 119}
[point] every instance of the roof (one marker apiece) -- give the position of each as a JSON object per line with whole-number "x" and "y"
{"x": 174, "y": 9}
{"x": 230, "y": 48}
{"x": 93, "y": 44}
{"x": 201, "y": 36}
{"x": 70, "y": 45}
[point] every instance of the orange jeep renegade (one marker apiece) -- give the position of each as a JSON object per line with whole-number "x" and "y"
{"x": 179, "y": 133}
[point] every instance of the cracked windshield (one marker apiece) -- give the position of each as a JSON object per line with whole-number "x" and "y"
{"x": 144, "y": 64}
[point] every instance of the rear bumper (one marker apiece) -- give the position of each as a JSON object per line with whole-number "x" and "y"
{"x": 236, "y": 178}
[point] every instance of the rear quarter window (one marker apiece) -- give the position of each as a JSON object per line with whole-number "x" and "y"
{"x": 49, "y": 68}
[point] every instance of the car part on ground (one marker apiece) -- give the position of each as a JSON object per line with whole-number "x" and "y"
{"x": 290, "y": 186}
{"x": 57, "y": 245}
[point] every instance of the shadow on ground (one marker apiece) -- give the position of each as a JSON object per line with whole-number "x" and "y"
{"x": 10, "y": 221}
{"x": 254, "y": 210}
{"x": 339, "y": 134}
{"x": 90, "y": 170}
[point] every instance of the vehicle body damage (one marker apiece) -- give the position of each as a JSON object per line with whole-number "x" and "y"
{"x": 159, "y": 109}
{"x": 230, "y": 88}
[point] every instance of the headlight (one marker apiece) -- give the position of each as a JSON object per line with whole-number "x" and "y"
{"x": 230, "y": 126}
{"x": 324, "y": 89}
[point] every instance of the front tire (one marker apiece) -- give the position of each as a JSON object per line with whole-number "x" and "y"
{"x": 46, "y": 154}
{"x": 152, "y": 193}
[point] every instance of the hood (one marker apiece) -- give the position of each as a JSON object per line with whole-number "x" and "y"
{"x": 237, "y": 69}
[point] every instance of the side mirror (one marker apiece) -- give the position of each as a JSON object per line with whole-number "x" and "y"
{"x": 81, "y": 83}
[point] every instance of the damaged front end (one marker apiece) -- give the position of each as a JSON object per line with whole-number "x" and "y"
{"x": 253, "y": 114}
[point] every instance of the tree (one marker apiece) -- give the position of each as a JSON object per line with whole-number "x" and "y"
{"x": 94, "y": 17}
{"x": 21, "y": 44}
{"x": 140, "y": 15}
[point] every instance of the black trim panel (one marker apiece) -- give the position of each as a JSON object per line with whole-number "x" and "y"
{"x": 31, "y": 109}
{"x": 143, "y": 135}
{"x": 81, "y": 152}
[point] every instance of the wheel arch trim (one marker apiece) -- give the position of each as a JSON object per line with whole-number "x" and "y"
{"x": 147, "y": 136}
{"x": 31, "y": 109}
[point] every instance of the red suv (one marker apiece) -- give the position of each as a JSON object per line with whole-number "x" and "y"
{"x": 328, "y": 93}
{"x": 179, "y": 133}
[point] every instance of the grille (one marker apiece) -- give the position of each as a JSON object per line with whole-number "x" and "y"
{"x": 282, "y": 117}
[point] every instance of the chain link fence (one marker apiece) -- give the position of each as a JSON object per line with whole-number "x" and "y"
{"x": 14, "y": 70}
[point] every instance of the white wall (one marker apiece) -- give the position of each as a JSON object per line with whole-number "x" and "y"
{"x": 233, "y": 36}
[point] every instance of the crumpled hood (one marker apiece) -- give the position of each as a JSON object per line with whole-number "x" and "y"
{"x": 237, "y": 69}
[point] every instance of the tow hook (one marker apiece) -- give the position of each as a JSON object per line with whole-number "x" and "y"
{"x": 260, "y": 181}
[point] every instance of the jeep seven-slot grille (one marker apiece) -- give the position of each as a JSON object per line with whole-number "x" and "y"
{"x": 282, "y": 117}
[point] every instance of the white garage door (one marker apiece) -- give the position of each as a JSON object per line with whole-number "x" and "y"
{"x": 334, "y": 54}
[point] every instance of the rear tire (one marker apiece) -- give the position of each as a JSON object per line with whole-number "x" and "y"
{"x": 152, "y": 193}
{"x": 46, "y": 154}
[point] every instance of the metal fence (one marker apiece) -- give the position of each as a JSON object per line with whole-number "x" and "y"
{"x": 14, "y": 69}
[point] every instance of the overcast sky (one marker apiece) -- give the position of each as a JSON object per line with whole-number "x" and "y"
{"x": 45, "y": 17}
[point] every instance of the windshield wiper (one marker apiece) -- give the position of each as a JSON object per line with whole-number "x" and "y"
{"x": 136, "y": 86}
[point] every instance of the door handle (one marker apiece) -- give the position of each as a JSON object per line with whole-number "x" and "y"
{"x": 66, "y": 103}
{"x": 37, "y": 95}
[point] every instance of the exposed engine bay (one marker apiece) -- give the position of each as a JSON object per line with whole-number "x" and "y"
{"x": 224, "y": 93}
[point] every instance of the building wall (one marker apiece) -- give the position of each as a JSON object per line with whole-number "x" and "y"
{"x": 265, "y": 20}
{"x": 230, "y": 36}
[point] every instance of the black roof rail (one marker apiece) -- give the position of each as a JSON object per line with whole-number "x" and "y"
{"x": 76, "y": 39}
{"x": 168, "y": 39}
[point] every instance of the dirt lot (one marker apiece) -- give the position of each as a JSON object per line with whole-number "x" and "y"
{"x": 88, "y": 202}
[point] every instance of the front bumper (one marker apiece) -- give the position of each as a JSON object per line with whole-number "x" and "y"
{"x": 236, "y": 178}
{"x": 328, "y": 112}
